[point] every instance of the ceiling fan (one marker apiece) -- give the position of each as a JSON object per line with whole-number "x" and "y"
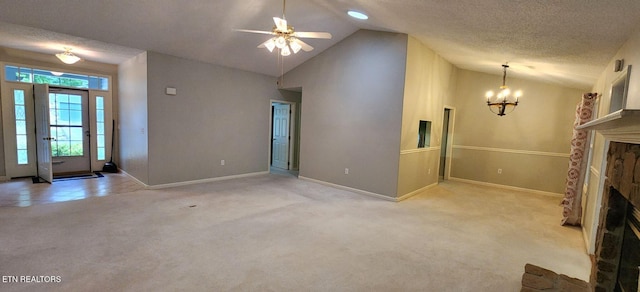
{"x": 285, "y": 38}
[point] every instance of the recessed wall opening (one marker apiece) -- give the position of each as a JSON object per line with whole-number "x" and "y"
{"x": 424, "y": 134}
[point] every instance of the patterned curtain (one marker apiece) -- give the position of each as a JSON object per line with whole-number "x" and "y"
{"x": 572, "y": 202}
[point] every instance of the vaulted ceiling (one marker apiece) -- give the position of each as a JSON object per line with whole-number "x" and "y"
{"x": 568, "y": 42}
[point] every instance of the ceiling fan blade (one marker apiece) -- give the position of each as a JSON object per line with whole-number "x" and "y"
{"x": 281, "y": 24}
{"x": 255, "y": 31}
{"x": 305, "y": 47}
{"x": 312, "y": 35}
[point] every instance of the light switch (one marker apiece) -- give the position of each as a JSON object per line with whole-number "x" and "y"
{"x": 171, "y": 91}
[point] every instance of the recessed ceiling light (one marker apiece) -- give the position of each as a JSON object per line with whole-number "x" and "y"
{"x": 358, "y": 15}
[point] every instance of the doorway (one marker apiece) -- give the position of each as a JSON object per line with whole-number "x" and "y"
{"x": 284, "y": 135}
{"x": 69, "y": 130}
{"x": 280, "y": 135}
{"x": 445, "y": 144}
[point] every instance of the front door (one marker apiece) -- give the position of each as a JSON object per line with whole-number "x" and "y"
{"x": 69, "y": 126}
{"x": 280, "y": 149}
{"x": 43, "y": 136}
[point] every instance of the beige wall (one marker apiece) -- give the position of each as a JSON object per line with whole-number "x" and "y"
{"x": 218, "y": 114}
{"x": 352, "y": 111}
{"x": 132, "y": 125}
{"x": 530, "y": 145}
{"x": 429, "y": 86}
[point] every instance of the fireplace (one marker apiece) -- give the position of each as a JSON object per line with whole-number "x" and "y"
{"x": 617, "y": 257}
{"x": 630, "y": 255}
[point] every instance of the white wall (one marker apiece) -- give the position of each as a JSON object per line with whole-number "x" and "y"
{"x": 132, "y": 125}
{"x": 352, "y": 111}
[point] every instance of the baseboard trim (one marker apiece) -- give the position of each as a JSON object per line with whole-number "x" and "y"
{"x": 411, "y": 194}
{"x": 134, "y": 178}
{"x": 358, "y": 191}
{"x": 191, "y": 182}
{"x": 4, "y": 178}
{"x": 206, "y": 180}
{"x": 506, "y": 187}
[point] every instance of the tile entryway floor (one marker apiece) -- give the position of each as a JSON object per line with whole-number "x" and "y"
{"x": 23, "y": 192}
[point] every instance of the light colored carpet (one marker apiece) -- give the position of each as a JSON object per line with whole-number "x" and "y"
{"x": 278, "y": 233}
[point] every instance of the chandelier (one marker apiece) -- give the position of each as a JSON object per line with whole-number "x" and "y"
{"x": 499, "y": 103}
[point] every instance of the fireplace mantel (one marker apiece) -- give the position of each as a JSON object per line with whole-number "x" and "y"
{"x": 621, "y": 126}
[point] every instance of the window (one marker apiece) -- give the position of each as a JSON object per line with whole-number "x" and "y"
{"x": 21, "y": 126}
{"x": 18, "y": 74}
{"x": 100, "y": 127}
{"x": 29, "y": 75}
{"x": 66, "y": 124}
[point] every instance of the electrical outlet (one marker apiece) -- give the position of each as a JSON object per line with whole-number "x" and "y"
{"x": 346, "y": 171}
{"x": 222, "y": 162}
{"x": 499, "y": 170}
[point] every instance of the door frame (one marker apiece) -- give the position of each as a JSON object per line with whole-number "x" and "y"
{"x": 449, "y": 145}
{"x": 293, "y": 142}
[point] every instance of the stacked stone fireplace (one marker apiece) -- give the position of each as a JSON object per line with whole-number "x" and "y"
{"x": 617, "y": 255}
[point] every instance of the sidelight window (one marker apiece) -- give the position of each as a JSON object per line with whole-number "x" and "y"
{"x": 100, "y": 134}
{"x": 21, "y": 126}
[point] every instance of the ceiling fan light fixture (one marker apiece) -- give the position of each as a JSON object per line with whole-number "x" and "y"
{"x": 295, "y": 46}
{"x": 357, "y": 15}
{"x": 67, "y": 57}
{"x": 285, "y": 51}
{"x": 280, "y": 42}
{"x": 270, "y": 44}
{"x": 285, "y": 38}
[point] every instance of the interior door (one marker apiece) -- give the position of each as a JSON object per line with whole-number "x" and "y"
{"x": 280, "y": 150}
{"x": 43, "y": 138}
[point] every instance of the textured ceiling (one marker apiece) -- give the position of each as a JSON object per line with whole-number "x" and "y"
{"x": 568, "y": 42}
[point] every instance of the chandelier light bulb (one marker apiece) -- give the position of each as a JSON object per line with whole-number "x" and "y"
{"x": 489, "y": 94}
{"x": 517, "y": 94}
